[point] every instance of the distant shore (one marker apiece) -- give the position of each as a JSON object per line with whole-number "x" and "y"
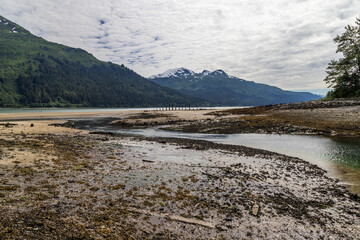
{"x": 55, "y": 115}
{"x": 326, "y": 118}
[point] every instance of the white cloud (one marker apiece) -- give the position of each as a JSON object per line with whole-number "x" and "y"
{"x": 286, "y": 43}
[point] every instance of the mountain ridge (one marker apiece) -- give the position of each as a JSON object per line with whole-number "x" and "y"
{"x": 221, "y": 88}
{"x": 182, "y": 72}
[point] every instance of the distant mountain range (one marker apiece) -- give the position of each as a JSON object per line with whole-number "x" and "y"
{"x": 38, "y": 73}
{"x": 218, "y": 87}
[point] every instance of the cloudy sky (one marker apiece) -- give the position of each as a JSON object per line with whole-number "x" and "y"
{"x": 286, "y": 43}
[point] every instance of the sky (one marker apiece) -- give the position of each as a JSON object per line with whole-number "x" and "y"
{"x": 285, "y": 43}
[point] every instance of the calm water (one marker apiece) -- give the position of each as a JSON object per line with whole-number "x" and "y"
{"x": 339, "y": 157}
{"x": 44, "y": 110}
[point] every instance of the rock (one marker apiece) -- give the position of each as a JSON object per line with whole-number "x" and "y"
{"x": 255, "y": 209}
{"x": 220, "y": 227}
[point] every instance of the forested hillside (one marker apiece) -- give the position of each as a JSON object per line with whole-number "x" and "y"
{"x": 38, "y": 73}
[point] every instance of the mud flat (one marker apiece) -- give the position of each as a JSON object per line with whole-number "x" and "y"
{"x": 326, "y": 118}
{"x": 62, "y": 183}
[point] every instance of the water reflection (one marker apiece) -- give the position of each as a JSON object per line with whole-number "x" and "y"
{"x": 318, "y": 150}
{"x": 340, "y": 157}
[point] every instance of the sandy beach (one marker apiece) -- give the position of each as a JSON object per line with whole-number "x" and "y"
{"x": 60, "y": 183}
{"x": 57, "y": 115}
{"x": 184, "y": 114}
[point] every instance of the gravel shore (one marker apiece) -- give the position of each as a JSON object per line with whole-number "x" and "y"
{"x": 62, "y": 183}
{"x": 326, "y": 118}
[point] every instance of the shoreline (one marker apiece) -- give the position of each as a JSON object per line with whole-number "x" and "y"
{"x": 58, "y": 182}
{"x": 56, "y": 115}
{"x": 77, "y": 184}
{"x": 326, "y": 118}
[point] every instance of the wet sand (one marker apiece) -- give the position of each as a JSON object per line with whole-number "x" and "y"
{"x": 61, "y": 183}
{"x": 58, "y": 115}
{"x": 182, "y": 114}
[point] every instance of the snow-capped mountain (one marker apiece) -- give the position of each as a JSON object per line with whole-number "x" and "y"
{"x": 177, "y": 72}
{"x": 220, "y": 88}
{"x": 183, "y": 72}
{"x": 219, "y": 72}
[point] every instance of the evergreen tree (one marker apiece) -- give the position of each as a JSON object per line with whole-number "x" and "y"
{"x": 344, "y": 74}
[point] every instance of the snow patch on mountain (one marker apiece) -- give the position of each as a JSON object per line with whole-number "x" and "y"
{"x": 219, "y": 72}
{"x": 205, "y": 72}
{"x": 183, "y": 72}
{"x": 177, "y": 72}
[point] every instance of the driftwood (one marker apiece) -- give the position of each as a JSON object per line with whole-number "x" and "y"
{"x": 200, "y": 166}
{"x": 173, "y": 217}
{"x": 148, "y": 161}
{"x": 255, "y": 179}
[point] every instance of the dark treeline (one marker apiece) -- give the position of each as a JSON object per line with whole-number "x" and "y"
{"x": 58, "y": 82}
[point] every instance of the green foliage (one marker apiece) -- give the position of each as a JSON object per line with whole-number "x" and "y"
{"x": 344, "y": 74}
{"x": 38, "y": 73}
